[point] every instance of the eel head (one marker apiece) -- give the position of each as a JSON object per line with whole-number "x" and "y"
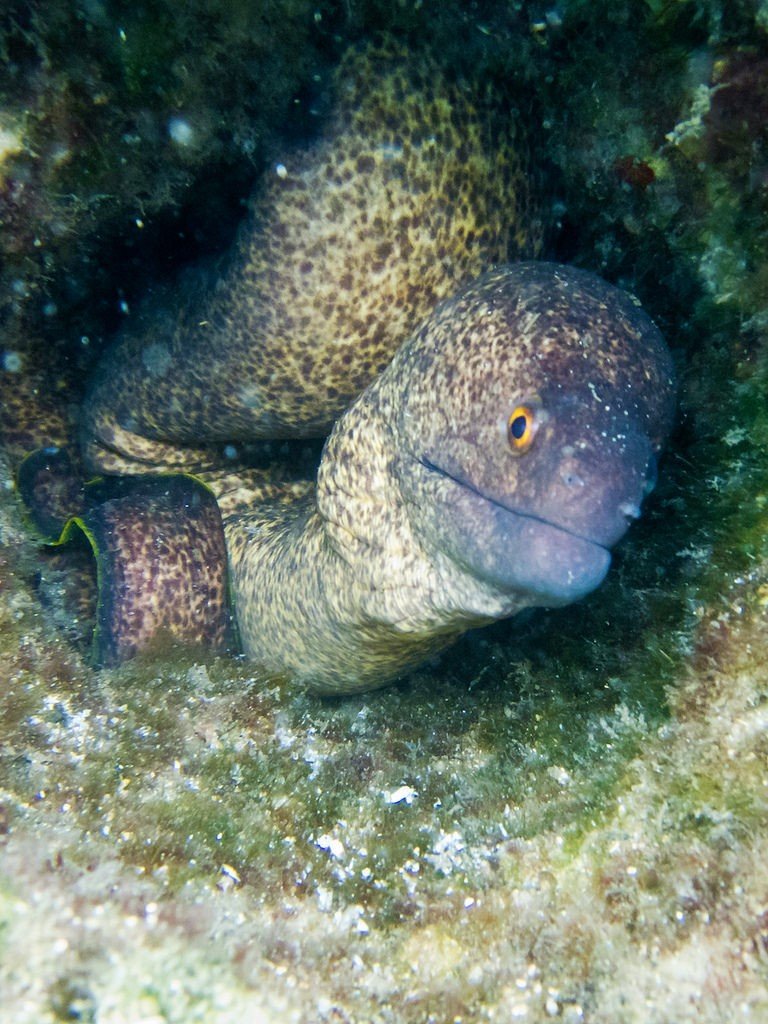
{"x": 535, "y": 405}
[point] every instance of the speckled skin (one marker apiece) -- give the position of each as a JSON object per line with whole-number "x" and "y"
{"x": 412, "y": 190}
{"x": 32, "y": 413}
{"x": 163, "y": 574}
{"x": 425, "y": 522}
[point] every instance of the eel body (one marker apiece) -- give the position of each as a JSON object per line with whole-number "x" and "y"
{"x": 412, "y": 190}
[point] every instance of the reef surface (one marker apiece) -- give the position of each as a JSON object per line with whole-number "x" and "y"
{"x": 563, "y": 818}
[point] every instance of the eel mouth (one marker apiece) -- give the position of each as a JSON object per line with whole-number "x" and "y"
{"x": 544, "y": 562}
{"x": 434, "y": 468}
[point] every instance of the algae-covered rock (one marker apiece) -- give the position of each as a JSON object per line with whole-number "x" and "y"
{"x": 562, "y": 819}
{"x": 110, "y": 118}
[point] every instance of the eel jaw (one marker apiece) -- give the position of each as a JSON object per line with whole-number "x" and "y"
{"x": 544, "y": 562}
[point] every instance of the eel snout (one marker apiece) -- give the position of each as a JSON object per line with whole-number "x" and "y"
{"x": 515, "y": 550}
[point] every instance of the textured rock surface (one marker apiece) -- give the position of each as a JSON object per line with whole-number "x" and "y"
{"x": 562, "y": 821}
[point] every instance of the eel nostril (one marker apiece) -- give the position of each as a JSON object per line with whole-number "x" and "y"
{"x": 571, "y": 479}
{"x": 630, "y": 510}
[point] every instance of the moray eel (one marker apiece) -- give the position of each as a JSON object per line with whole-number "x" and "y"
{"x": 488, "y": 467}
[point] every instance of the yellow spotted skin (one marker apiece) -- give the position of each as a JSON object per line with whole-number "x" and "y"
{"x": 413, "y": 189}
{"x": 424, "y": 522}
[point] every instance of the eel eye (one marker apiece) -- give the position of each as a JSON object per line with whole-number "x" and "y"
{"x": 521, "y": 428}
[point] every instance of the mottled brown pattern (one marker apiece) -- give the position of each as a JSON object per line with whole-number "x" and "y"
{"x": 424, "y": 521}
{"x": 33, "y": 408}
{"x": 350, "y": 244}
{"x": 239, "y": 491}
{"x": 423, "y": 516}
{"x": 161, "y": 565}
{"x": 51, "y": 487}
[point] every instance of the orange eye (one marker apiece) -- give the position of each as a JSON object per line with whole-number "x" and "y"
{"x": 521, "y": 428}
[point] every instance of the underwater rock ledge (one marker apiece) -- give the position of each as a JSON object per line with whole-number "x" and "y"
{"x": 566, "y": 821}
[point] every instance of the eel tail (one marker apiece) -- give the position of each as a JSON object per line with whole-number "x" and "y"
{"x": 157, "y": 563}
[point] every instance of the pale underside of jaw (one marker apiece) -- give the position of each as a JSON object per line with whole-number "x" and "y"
{"x": 543, "y": 563}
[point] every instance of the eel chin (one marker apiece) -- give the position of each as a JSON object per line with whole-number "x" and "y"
{"x": 517, "y": 552}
